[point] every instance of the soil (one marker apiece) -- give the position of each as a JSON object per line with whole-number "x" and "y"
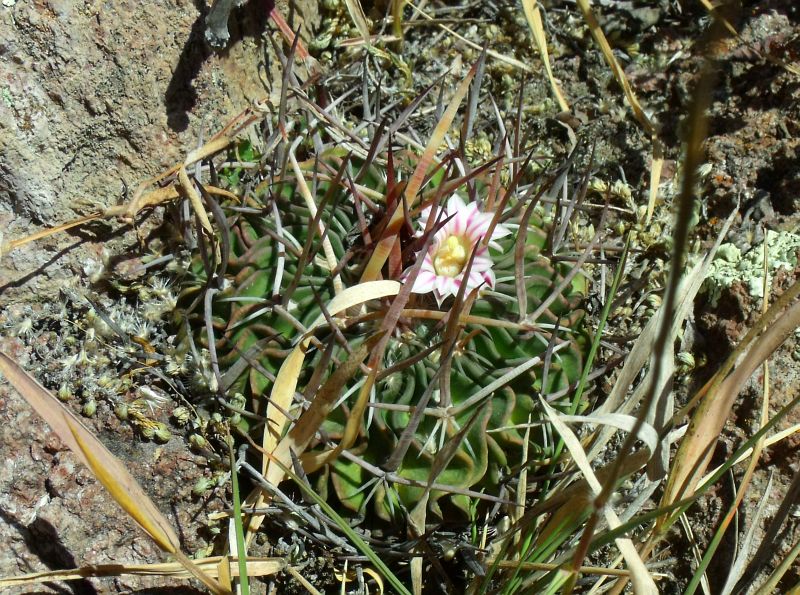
{"x": 95, "y": 99}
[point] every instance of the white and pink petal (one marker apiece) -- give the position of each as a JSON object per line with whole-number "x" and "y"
{"x": 482, "y": 261}
{"x": 455, "y": 203}
{"x": 425, "y": 282}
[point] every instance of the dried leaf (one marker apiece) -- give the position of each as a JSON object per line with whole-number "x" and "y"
{"x": 534, "y": 18}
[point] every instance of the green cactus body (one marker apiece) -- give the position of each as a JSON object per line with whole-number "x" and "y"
{"x": 245, "y": 322}
{"x": 492, "y": 444}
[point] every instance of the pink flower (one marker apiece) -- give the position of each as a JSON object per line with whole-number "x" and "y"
{"x": 443, "y": 265}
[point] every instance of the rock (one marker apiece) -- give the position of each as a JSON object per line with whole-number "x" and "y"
{"x": 55, "y": 515}
{"x": 97, "y": 97}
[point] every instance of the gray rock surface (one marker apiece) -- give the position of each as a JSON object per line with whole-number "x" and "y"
{"x": 55, "y": 515}
{"x": 96, "y": 97}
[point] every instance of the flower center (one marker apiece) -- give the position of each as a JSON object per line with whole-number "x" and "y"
{"x": 451, "y": 256}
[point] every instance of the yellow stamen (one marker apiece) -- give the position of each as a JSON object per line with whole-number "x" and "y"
{"x": 451, "y": 256}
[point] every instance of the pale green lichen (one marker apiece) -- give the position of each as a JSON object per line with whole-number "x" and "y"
{"x": 731, "y": 266}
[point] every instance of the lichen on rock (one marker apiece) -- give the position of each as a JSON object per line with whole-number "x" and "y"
{"x": 731, "y": 266}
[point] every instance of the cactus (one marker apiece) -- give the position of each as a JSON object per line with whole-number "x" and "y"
{"x": 256, "y": 326}
{"x": 493, "y": 444}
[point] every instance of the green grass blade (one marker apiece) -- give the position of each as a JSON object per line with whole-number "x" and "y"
{"x": 682, "y": 505}
{"x": 355, "y": 539}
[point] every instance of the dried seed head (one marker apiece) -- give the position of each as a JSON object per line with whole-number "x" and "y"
{"x": 89, "y": 408}
{"x": 181, "y": 415}
{"x": 121, "y": 411}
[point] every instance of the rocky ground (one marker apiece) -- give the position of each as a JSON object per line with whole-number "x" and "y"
{"x": 94, "y": 99}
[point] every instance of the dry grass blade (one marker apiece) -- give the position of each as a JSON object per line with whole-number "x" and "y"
{"x": 255, "y": 567}
{"x": 768, "y": 56}
{"x": 109, "y": 470}
{"x": 144, "y": 198}
{"x": 388, "y": 325}
{"x": 77, "y": 437}
{"x": 786, "y": 564}
{"x": 646, "y": 433}
{"x": 643, "y": 347}
{"x": 598, "y": 570}
{"x": 736, "y": 571}
{"x": 695, "y": 554}
{"x": 657, "y": 388}
{"x": 194, "y": 198}
{"x": 296, "y": 575}
{"x": 327, "y": 247}
{"x": 293, "y": 39}
{"x": 772, "y": 313}
{"x": 224, "y": 572}
{"x": 739, "y": 563}
{"x": 659, "y": 377}
{"x": 572, "y": 501}
{"x": 696, "y": 449}
{"x": 638, "y": 112}
{"x": 286, "y": 382}
{"x": 359, "y": 19}
{"x": 303, "y": 431}
{"x": 613, "y": 63}
{"x": 534, "y": 18}
{"x": 774, "y": 439}
{"x": 656, "y": 166}
{"x": 6, "y": 247}
{"x": 765, "y": 548}
{"x": 496, "y": 55}
{"x": 641, "y": 579}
